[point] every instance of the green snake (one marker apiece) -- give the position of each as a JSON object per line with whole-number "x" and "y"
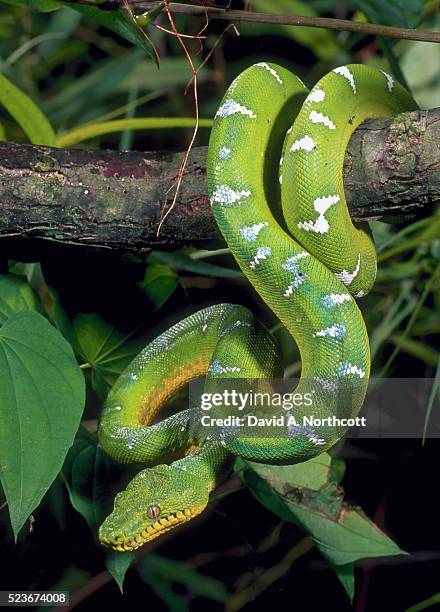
{"x": 272, "y": 142}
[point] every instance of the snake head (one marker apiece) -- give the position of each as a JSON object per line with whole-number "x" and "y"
{"x": 156, "y": 500}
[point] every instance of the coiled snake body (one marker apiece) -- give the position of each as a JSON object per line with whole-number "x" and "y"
{"x": 272, "y": 140}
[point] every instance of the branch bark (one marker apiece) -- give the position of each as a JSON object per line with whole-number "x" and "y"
{"x": 114, "y": 200}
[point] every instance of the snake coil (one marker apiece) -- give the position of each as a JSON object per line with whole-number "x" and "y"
{"x": 272, "y": 140}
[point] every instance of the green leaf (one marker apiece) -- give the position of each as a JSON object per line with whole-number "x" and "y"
{"x": 82, "y": 100}
{"x": 92, "y": 130}
{"x": 16, "y": 295}
{"x": 424, "y": 84}
{"x": 116, "y": 21}
{"x": 26, "y": 113}
{"x": 322, "y": 42}
{"x": 49, "y": 299}
{"x": 342, "y": 534}
{"x": 426, "y": 603}
{"x": 180, "y": 261}
{"x": 44, "y": 6}
{"x": 41, "y": 402}
{"x": 86, "y": 472}
{"x": 417, "y": 349}
{"x": 399, "y": 13}
{"x": 159, "y": 283}
{"x": 312, "y": 474}
{"x": 118, "y": 565}
{"x": 103, "y": 347}
{"x": 56, "y": 313}
{"x": 345, "y": 573}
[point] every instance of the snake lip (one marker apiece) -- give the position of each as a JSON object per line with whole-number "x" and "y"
{"x": 131, "y": 543}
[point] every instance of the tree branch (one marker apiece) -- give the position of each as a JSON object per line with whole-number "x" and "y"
{"x": 113, "y": 200}
{"x": 346, "y": 25}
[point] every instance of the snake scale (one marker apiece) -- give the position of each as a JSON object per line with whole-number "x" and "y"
{"x": 272, "y": 141}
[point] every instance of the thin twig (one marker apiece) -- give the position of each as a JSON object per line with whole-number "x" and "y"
{"x": 214, "y": 47}
{"x": 162, "y": 29}
{"x": 328, "y": 23}
{"x": 196, "y": 127}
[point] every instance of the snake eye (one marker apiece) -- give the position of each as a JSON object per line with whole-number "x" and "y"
{"x": 153, "y": 512}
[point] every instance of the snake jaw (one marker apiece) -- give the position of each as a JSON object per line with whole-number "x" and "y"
{"x": 155, "y": 500}
{"x": 129, "y": 543}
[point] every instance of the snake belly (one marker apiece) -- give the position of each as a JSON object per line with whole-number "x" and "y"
{"x": 272, "y": 142}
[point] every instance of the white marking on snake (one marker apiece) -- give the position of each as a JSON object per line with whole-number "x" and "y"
{"x": 262, "y": 253}
{"x": 335, "y": 299}
{"x": 224, "y": 153}
{"x": 338, "y": 330}
{"x": 348, "y": 277}
{"x": 317, "y": 95}
{"x": 299, "y": 277}
{"x": 225, "y": 196}
{"x": 327, "y": 385}
{"x": 272, "y": 71}
{"x": 290, "y": 264}
{"x": 390, "y": 80}
{"x": 321, "y": 205}
{"x": 360, "y": 294}
{"x": 345, "y": 72}
{"x": 304, "y": 430}
{"x": 217, "y": 367}
{"x": 250, "y": 232}
{"x": 348, "y": 368}
{"x": 316, "y": 117}
{"x": 233, "y": 326}
{"x": 303, "y": 144}
{"x": 281, "y": 160}
{"x": 232, "y": 107}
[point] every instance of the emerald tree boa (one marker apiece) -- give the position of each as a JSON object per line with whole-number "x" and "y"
{"x": 272, "y": 142}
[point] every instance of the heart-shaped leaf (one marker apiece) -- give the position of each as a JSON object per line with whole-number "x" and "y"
{"x": 41, "y": 402}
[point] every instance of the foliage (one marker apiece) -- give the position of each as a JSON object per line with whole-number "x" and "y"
{"x": 71, "y": 74}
